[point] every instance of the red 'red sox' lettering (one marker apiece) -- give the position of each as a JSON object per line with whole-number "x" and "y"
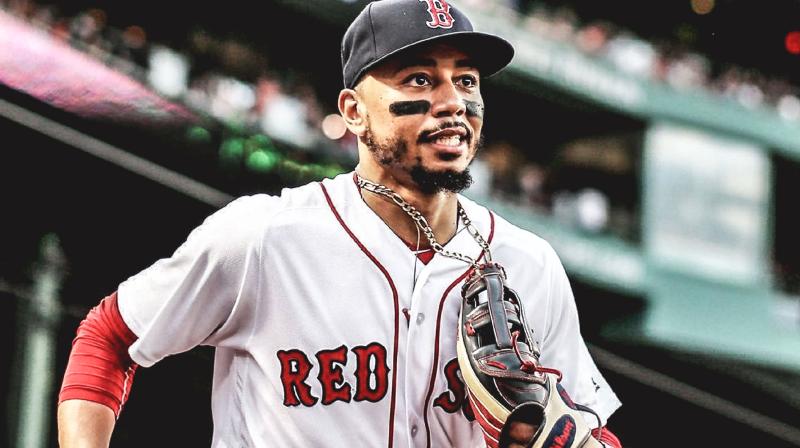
{"x": 371, "y": 373}
{"x": 295, "y": 368}
{"x": 364, "y": 355}
{"x": 455, "y": 387}
{"x": 330, "y": 375}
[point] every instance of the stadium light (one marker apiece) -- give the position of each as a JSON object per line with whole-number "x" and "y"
{"x": 793, "y": 42}
{"x": 702, "y": 7}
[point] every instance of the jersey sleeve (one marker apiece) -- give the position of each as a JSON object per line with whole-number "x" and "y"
{"x": 563, "y": 347}
{"x": 205, "y": 293}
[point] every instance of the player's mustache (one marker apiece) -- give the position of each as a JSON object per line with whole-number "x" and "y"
{"x": 424, "y": 136}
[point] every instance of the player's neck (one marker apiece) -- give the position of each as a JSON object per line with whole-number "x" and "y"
{"x": 439, "y": 209}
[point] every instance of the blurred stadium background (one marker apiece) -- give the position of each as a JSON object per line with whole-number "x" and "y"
{"x": 656, "y": 145}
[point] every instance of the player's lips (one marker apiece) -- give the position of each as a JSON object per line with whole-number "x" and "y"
{"x": 451, "y": 140}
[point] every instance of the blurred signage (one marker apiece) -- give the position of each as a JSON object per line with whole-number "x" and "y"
{"x": 706, "y": 204}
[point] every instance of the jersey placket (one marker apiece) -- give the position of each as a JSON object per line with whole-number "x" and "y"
{"x": 442, "y": 276}
{"x": 419, "y": 351}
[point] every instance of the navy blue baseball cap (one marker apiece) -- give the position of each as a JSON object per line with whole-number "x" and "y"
{"x": 387, "y": 27}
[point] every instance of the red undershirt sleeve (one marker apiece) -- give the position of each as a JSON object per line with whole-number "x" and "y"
{"x": 608, "y": 438}
{"x": 99, "y": 367}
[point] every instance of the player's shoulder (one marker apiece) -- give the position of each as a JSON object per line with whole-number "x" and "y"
{"x": 510, "y": 240}
{"x": 234, "y": 226}
{"x": 244, "y": 212}
{"x": 306, "y": 196}
{"x": 245, "y": 221}
{"x": 316, "y": 194}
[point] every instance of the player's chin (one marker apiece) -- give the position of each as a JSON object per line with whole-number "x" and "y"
{"x": 443, "y": 168}
{"x": 447, "y": 160}
{"x": 457, "y": 165}
{"x": 447, "y": 153}
{"x": 432, "y": 181}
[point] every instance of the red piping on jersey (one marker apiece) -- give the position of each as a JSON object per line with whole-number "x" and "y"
{"x": 434, "y": 372}
{"x": 396, "y": 307}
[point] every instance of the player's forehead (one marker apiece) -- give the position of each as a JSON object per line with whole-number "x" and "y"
{"x": 427, "y": 56}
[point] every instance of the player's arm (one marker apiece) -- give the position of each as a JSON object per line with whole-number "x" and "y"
{"x": 84, "y": 424}
{"x": 173, "y": 306}
{"x": 98, "y": 378}
{"x": 564, "y": 347}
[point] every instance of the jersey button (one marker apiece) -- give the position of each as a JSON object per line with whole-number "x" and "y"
{"x": 420, "y": 318}
{"x": 414, "y": 431}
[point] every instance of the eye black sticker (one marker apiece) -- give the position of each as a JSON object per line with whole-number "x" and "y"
{"x": 400, "y": 108}
{"x": 410, "y": 107}
{"x": 474, "y": 108}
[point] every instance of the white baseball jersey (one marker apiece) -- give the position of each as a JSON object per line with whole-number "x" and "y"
{"x": 324, "y": 337}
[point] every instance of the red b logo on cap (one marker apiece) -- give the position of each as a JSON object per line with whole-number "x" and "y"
{"x": 440, "y": 14}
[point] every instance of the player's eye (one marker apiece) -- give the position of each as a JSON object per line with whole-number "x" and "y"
{"x": 468, "y": 81}
{"x": 418, "y": 80}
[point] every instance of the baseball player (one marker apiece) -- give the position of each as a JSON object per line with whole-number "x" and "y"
{"x": 333, "y": 307}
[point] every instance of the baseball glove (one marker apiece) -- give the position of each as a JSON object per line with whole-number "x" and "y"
{"x": 499, "y": 361}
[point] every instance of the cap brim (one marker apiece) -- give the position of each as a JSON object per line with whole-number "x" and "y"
{"x": 490, "y": 53}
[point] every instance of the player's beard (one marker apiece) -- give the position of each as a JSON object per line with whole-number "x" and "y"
{"x": 392, "y": 152}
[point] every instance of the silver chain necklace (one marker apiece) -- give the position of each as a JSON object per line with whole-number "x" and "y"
{"x": 426, "y": 229}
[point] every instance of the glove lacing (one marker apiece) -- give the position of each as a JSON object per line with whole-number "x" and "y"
{"x": 529, "y": 366}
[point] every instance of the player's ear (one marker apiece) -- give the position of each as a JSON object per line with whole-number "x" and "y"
{"x": 352, "y": 109}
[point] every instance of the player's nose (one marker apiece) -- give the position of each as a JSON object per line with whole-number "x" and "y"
{"x": 447, "y": 101}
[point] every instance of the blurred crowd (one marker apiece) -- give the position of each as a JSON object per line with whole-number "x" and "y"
{"x": 667, "y": 61}
{"x": 126, "y": 48}
{"x": 589, "y": 184}
{"x": 236, "y": 84}
{"x": 205, "y": 75}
